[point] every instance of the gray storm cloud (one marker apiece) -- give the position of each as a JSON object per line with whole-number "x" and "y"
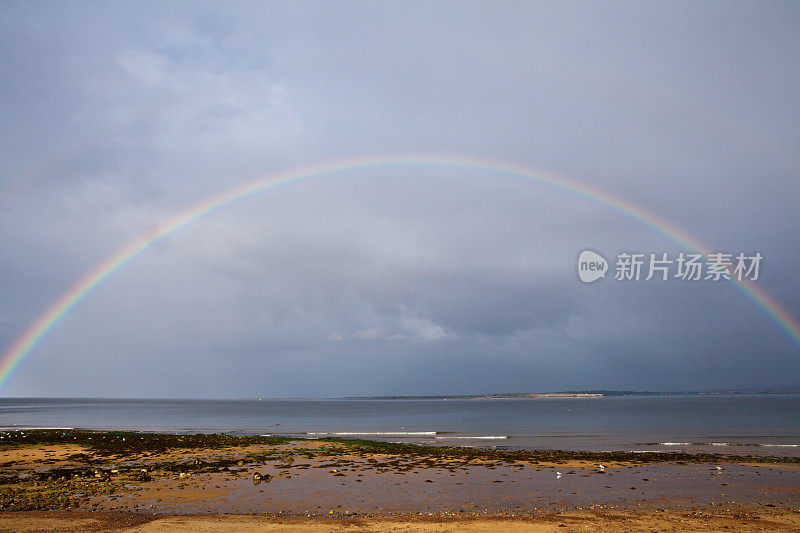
{"x": 418, "y": 280}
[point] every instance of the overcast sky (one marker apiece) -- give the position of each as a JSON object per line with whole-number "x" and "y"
{"x": 114, "y": 116}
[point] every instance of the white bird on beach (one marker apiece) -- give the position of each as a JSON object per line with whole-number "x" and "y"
{"x": 558, "y": 475}
{"x": 601, "y": 468}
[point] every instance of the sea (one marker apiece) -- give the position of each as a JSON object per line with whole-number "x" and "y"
{"x": 749, "y": 424}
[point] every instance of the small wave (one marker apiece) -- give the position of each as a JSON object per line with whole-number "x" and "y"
{"x": 731, "y": 444}
{"x": 26, "y": 428}
{"x": 373, "y": 433}
{"x": 486, "y": 437}
{"x": 648, "y": 451}
{"x": 753, "y": 444}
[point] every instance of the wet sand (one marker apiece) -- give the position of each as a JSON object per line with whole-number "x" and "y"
{"x": 97, "y": 481}
{"x": 564, "y": 521}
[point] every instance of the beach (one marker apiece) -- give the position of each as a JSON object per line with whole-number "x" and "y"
{"x": 634, "y": 521}
{"x": 51, "y": 480}
{"x": 407, "y": 266}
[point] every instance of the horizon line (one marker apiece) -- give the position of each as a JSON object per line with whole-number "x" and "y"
{"x": 756, "y": 390}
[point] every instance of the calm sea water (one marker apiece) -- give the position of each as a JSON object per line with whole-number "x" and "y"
{"x": 752, "y": 424}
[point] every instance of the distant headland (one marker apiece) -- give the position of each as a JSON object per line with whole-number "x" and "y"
{"x": 571, "y": 394}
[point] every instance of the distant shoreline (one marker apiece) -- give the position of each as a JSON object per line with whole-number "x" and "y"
{"x": 569, "y": 394}
{"x": 502, "y": 395}
{"x": 521, "y": 396}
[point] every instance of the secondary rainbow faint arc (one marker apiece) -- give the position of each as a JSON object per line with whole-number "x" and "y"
{"x": 38, "y": 329}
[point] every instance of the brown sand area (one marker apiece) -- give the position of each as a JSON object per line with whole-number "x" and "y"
{"x": 357, "y": 486}
{"x": 567, "y": 521}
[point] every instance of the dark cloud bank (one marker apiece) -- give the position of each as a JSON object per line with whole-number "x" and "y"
{"x": 415, "y": 280}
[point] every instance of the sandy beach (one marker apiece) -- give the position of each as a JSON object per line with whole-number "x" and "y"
{"x": 566, "y": 521}
{"x": 95, "y": 481}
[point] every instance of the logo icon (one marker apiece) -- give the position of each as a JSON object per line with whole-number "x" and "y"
{"x": 591, "y": 266}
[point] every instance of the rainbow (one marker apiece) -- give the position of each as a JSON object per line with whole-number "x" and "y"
{"x": 45, "y": 322}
